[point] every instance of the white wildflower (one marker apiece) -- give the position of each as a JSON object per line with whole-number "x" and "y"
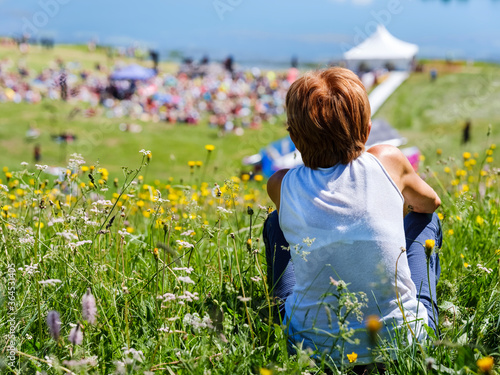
{"x": 186, "y": 279}
{"x": 188, "y": 270}
{"x": 55, "y": 221}
{"x": 50, "y": 282}
{"x": 244, "y": 299}
{"x": 137, "y": 355}
{"x": 3, "y": 187}
{"x": 184, "y": 244}
{"x": 196, "y": 322}
{"x": 41, "y": 167}
{"x": 255, "y": 279}
{"x": 75, "y": 161}
{"x": 189, "y": 232}
{"x": 24, "y": 164}
{"x": 223, "y": 210}
{"x": 482, "y": 268}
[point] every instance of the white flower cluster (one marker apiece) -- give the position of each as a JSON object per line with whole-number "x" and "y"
{"x": 30, "y": 270}
{"x": 50, "y": 282}
{"x": 55, "y": 221}
{"x": 185, "y": 244}
{"x": 222, "y": 210}
{"x": 27, "y": 239}
{"x": 482, "y": 268}
{"x": 186, "y": 269}
{"x": 145, "y": 152}
{"x": 90, "y": 361}
{"x": 74, "y": 245}
{"x": 137, "y": 355}
{"x": 75, "y": 161}
{"x": 3, "y": 187}
{"x": 182, "y": 299}
{"x": 196, "y": 322}
{"x": 67, "y": 235}
{"x": 41, "y": 167}
{"x": 185, "y": 279}
{"x": 189, "y": 232}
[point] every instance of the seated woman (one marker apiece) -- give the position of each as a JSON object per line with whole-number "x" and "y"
{"x": 340, "y": 217}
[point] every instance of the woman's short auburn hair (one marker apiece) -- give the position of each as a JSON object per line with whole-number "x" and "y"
{"x": 328, "y": 117}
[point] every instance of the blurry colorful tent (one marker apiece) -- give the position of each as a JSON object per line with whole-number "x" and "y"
{"x": 133, "y": 73}
{"x": 379, "y": 50}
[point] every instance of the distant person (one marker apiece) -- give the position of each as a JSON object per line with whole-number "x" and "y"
{"x": 37, "y": 153}
{"x": 228, "y": 64}
{"x": 434, "y": 75}
{"x": 466, "y": 132}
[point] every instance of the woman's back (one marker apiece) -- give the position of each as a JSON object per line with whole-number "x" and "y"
{"x": 345, "y": 223}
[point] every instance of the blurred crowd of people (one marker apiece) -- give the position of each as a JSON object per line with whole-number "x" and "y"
{"x": 227, "y": 98}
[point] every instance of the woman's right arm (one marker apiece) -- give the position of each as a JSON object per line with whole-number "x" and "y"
{"x": 274, "y": 186}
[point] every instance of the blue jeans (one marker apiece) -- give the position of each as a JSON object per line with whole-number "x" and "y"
{"x": 418, "y": 228}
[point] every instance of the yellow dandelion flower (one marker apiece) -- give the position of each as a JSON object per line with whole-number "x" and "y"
{"x": 441, "y": 216}
{"x": 130, "y": 230}
{"x": 466, "y": 265}
{"x": 450, "y": 232}
{"x": 245, "y": 177}
{"x": 466, "y": 155}
{"x": 209, "y": 148}
{"x": 178, "y": 228}
{"x": 84, "y": 168}
{"x": 8, "y": 175}
{"x": 5, "y": 169}
{"x": 485, "y": 364}
{"x": 489, "y": 159}
{"x": 191, "y": 163}
{"x": 479, "y": 220}
{"x": 439, "y": 151}
{"x": 489, "y": 152}
{"x": 447, "y": 170}
{"x": 352, "y": 357}
{"x": 421, "y": 158}
{"x": 373, "y": 324}
{"x": 462, "y": 256}
{"x": 429, "y": 244}
{"x": 39, "y": 224}
{"x": 465, "y": 187}
{"x": 140, "y": 203}
{"x": 199, "y": 163}
{"x": 265, "y": 371}
{"x": 258, "y": 177}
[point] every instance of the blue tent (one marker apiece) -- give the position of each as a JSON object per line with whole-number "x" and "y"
{"x": 133, "y": 73}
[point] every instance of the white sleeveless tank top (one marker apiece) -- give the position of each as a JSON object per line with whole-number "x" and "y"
{"x": 346, "y": 222}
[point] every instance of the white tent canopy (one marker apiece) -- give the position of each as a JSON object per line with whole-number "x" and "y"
{"x": 382, "y": 48}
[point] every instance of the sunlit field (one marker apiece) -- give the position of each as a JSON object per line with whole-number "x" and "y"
{"x": 159, "y": 266}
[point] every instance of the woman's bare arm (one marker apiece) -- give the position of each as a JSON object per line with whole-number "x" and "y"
{"x": 418, "y": 195}
{"x": 274, "y": 187}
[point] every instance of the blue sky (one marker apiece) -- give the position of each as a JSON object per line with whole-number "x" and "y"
{"x": 259, "y": 29}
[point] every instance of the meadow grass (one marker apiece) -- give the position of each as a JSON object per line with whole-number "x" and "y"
{"x": 176, "y": 264}
{"x": 178, "y": 273}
